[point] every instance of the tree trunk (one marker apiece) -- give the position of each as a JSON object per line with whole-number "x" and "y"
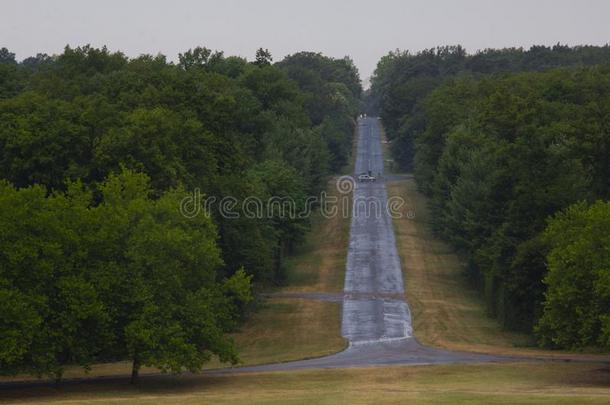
{"x": 279, "y": 275}
{"x": 135, "y": 370}
{"x": 57, "y": 379}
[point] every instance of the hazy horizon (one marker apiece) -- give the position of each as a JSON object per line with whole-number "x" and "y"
{"x": 356, "y": 29}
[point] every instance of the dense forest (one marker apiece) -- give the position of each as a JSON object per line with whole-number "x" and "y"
{"x": 512, "y": 147}
{"x": 97, "y": 151}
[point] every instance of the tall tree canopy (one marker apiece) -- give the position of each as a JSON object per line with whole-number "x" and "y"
{"x": 97, "y": 152}
{"x": 500, "y": 141}
{"x": 576, "y": 309}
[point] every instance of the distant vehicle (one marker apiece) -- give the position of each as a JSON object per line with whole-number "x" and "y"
{"x": 365, "y": 177}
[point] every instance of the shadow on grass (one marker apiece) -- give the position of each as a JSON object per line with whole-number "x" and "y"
{"x": 111, "y": 387}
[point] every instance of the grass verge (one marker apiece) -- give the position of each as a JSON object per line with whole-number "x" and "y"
{"x": 291, "y": 329}
{"x": 318, "y": 265}
{"x": 446, "y": 311}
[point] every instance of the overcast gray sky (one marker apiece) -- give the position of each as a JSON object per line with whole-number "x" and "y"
{"x": 364, "y": 30}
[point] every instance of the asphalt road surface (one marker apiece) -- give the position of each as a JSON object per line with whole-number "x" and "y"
{"x": 374, "y": 308}
{"x": 376, "y": 318}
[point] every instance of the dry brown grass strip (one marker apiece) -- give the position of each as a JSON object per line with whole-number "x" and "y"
{"x": 447, "y": 312}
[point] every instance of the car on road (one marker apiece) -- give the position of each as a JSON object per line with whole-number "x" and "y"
{"x": 366, "y": 177}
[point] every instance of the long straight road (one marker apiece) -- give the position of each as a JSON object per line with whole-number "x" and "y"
{"x": 374, "y": 308}
{"x": 376, "y": 318}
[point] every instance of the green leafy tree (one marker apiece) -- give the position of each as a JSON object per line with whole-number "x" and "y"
{"x": 7, "y": 56}
{"x": 99, "y": 148}
{"x": 263, "y": 57}
{"x": 129, "y": 277}
{"x": 179, "y": 316}
{"x": 497, "y": 156}
{"x": 58, "y": 315}
{"x": 577, "y": 306}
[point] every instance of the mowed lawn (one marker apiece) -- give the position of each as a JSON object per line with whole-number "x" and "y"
{"x": 290, "y": 329}
{"x": 448, "y": 312}
{"x": 319, "y": 264}
{"x": 442, "y": 384}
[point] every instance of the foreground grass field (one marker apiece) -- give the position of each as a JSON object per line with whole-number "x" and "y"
{"x": 447, "y": 312}
{"x": 447, "y": 384}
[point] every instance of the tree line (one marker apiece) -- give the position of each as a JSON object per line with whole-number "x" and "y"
{"x": 96, "y": 152}
{"x": 512, "y": 147}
